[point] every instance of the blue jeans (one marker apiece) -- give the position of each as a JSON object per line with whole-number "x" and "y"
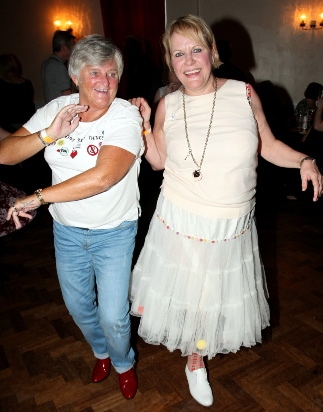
{"x": 93, "y": 268}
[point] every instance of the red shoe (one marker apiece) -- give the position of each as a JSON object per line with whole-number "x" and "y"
{"x": 128, "y": 383}
{"x": 101, "y": 370}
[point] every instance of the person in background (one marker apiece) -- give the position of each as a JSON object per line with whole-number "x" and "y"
{"x": 171, "y": 84}
{"x": 274, "y": 181}
{"x": 318, "y": 119}
{"x": 16, "y": 107}
{"x": 314, "y": 140}
{"x": 226, "y": 68}
{"x": 16, "y": 94}
{"x": 141, "y": 74}
{"x": 307, "y": 106}
{"x": 198, "y": 284}
{"x": 8, "y": 195}
{"x": 55, "y": 78}
{"x": 93, "y": 145}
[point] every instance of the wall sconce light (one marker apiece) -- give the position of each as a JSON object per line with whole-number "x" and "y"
{"x": 58, "y": 24}
{"x": 312, "y": 23}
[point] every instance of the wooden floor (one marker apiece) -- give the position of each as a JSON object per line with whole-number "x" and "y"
{"x": 45, "y": 364}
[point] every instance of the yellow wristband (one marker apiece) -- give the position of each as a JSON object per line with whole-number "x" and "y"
{"x": 145, "y": 132}
{"x": 47, "y": 139}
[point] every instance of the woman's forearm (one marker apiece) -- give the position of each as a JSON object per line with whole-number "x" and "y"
{"x": 19, "y": 146}
{"x": 282, "y": 155}
{"x": 153, "y": 154}
{"x": 112, "y": 165}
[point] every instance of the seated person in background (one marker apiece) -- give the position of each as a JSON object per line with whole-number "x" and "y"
{"x": 318, "y": 119}
{"x": 307, "y": 106}
{"x": 55, "y": 78}
{"x": 314, "y": 140}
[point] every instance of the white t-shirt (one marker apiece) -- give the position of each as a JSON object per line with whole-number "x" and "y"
{"x": 77, "y": 152}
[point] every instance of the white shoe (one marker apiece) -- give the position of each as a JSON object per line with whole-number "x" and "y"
{"x": 199, "y": 386}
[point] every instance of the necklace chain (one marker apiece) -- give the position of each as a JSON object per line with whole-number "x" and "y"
{"x": 197, "y": 172}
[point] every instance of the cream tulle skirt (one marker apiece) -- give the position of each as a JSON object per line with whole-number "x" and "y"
{"x": 199, "y": 283}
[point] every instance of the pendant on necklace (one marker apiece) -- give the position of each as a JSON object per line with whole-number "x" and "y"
{"x": 197, "y": 175}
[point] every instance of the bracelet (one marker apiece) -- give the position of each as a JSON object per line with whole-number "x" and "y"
{"x": 145, "y": 132}
{"x": 40, "y": 197}
{"x": 41, "y": 139}
{"x": 306, "y": 158}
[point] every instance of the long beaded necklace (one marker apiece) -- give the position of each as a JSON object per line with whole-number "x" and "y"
{"x": 197, "y": 175}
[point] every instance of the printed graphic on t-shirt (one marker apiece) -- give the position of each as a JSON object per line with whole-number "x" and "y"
{"x": 92, "y": 149}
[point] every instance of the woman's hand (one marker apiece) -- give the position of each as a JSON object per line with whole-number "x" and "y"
{"x": 143, "y": 107}
{"x": 310, "y": 172}
{"x": 66, "y": 121}
{"x": 21, "y": 208}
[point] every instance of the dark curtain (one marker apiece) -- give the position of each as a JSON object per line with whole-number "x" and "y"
{"x": 144, "y": 19}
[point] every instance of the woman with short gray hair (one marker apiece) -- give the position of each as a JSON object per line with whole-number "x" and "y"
{"x": 93, "y": 144}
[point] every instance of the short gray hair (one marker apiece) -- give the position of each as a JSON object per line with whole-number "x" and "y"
{"x": 94, "y": 50}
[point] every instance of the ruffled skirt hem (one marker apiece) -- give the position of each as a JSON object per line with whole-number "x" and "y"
{"x": 199, "y": 283}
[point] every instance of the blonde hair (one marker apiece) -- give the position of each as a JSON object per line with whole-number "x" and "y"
{"x": 195, "y": 28}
